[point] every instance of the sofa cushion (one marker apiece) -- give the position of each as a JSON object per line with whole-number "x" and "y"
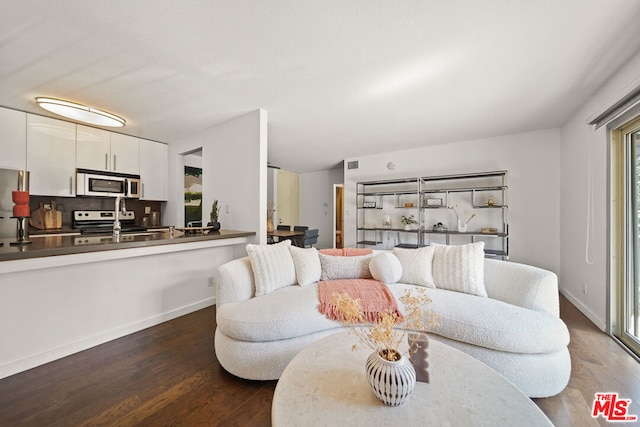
{"x": 272, "y": 266}
{"x": 292, "y": 312}
{"x": 285, "y": 313}
{"x": 491, "y": 323}
{"x": 416, "y": 265}
{"x": 460, "y": 268}
{"x": 386, "y": 268}
{"x": 345, "y": 267}
{"x": 307, "y": 265}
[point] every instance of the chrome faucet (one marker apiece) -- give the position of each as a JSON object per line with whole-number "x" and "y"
{"x": 120, "y": 207}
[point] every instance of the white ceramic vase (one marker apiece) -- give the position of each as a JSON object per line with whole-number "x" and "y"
{"x": 392, "y": 382}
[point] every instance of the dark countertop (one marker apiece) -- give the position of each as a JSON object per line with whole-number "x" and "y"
{"x": 52, "y": 245}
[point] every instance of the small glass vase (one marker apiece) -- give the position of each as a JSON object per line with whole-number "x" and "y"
{"x": 386, "y": 221}
{"x": 392, "y": 382}
{"x": 462, "y": 226}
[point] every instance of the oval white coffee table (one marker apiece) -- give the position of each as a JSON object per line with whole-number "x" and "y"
{"x": 325, "y": 385}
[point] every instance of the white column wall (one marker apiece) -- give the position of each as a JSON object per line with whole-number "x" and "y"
{"x": 234, "y": 163}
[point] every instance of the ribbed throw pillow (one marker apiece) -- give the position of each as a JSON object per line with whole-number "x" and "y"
{"x": 272, "y": 266}
{"x": 460, "y": 268}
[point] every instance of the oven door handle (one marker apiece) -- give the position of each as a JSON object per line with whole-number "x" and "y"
{"x": 126, "y": 187}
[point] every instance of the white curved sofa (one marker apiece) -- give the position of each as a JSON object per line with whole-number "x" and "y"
{"x": 516, "y": 329}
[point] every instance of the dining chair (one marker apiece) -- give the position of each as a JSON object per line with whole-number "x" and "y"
{"x": 309, "y": 238}
{"x": 300, "y": 228}
{"x": 284, "y": 227}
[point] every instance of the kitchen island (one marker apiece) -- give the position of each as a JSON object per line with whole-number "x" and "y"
{"x": 65, "y": 293}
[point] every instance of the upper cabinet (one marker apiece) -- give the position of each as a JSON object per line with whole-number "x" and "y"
{"x": 93, "y": 148}
{"x": 52, "y": 149}
{"x": 51, "y": 156}
{"x": 125, "y": 154}
{"x": 99, "y": 149}
{"x": 13, "y": 139}
{"x": 153, "y": 170}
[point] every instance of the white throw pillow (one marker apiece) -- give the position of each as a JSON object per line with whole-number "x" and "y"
{"x": 307, "y": 265}
{"x": 386, "y": 268}
{"x": 460, "y": 268}
{"x": 345, "y": 267}
{"x": 416, "y": 266}
{"x": 272, "y": 266}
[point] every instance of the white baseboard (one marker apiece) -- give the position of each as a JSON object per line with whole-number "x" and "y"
{"x": 70, "y": 348}
{"x": 600, "y": 323}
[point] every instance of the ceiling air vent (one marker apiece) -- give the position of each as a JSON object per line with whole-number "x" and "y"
{"x": 352, "y": 165}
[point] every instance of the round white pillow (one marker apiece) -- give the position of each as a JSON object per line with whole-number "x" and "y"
{"x": 386, "y": 268}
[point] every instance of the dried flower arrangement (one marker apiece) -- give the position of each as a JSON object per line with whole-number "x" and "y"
{"x": 386, "y": 335}
{"x": 455, "y": 211}
{"x": 271, "y": 208}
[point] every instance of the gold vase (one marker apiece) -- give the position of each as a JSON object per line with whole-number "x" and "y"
{"x": 269, "y": 225}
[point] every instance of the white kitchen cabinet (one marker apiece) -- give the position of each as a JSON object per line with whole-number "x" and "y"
{"x": 93, "y": 148}
{"x": 51, "y": 156}
{"x": 13, "y": 139}
{"x": 125, "y": 154}
{"x": 153, "y": 170}
{"x": 101, "y": 150}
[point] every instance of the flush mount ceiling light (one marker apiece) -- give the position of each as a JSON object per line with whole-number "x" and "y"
{"x": 79, "y": 112}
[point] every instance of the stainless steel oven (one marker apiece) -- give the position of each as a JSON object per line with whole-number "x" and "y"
{"x": 96, "y": 183}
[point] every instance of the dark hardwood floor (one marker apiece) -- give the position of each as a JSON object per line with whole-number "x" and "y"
{"x": 169, "y": 375}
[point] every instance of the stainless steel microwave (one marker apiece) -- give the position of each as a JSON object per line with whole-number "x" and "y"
{"x": 97, "y": 183}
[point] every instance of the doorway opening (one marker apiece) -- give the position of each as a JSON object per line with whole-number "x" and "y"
{"x": 193, "y": 188}
{"x": 338, "y": 217}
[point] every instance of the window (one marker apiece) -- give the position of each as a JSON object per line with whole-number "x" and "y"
{"x": 625, "y": 279}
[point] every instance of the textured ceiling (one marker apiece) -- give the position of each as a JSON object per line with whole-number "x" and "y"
{"x": 338, "y": 78}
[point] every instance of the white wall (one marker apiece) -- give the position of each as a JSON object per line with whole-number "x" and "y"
{"x": 584, "y": 152}
{"x": 316, "y": 203}
{"x": 234, "y": 163}
{"x": 532, "y": 161}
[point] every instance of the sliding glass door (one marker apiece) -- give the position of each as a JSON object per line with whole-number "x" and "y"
{"x": 627, "y": 289}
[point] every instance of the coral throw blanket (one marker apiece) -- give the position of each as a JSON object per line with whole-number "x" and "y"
{"x": 374, "y": 297}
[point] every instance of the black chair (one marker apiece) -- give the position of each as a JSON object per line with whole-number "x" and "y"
{"x": 300, "y": 228}
{"x": 284, "y": 227}
{"x": 309, "y": 238}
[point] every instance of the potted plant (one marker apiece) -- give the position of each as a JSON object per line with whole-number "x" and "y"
{"x": 215, "y": 212}
{"x": 409, "y": 221}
